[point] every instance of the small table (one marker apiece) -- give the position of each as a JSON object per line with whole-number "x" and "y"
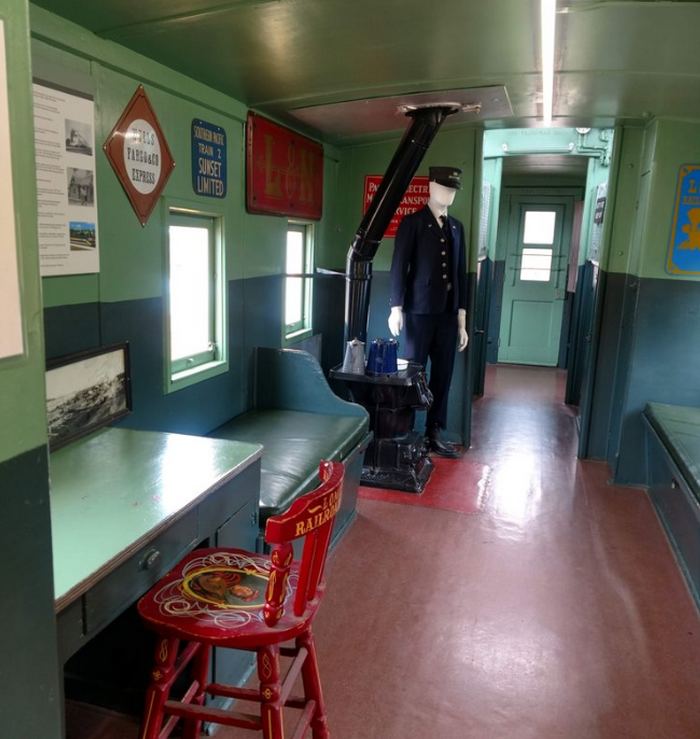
{"x": 127, "y": 505}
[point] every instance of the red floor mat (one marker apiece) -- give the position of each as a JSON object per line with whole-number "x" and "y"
{"x": 456, "y": 485}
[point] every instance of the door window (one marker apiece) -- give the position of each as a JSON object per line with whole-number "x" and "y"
{"x": 539, "y": 226}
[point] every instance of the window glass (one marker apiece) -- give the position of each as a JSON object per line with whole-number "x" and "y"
{"x": 196, "y": 315}
{"x": 190, "y": 285}
{"x": 539, "y": 227}
{"x": 536, "y": 265}
{"x": 297, "y": 288}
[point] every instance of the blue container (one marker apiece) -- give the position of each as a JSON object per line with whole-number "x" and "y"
{"x": 382, "y": 357}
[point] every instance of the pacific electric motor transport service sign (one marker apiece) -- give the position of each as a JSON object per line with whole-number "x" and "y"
{"x": 415, "y": 197}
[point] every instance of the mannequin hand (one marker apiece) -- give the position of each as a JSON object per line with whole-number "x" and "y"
{"x": 462, "y": 337}
{"x": 396, "y": 320}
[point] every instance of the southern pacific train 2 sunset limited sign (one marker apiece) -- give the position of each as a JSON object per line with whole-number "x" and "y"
{"x": 139, "y": 155}
{"x": 208, "y": 159}
{"x": 284, "y": 171}
{"x": 415, "y": 197}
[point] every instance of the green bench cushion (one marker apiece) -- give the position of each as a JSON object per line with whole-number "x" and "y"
{"x": 678, "y": 428}
{"x": 294, "y": 443}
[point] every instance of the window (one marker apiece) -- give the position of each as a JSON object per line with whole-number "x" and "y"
{"x": 536, "y": 265}
{"x": 539, "y": 227}
{"x": 298, "y": 283}
{"x": 195, "y": 315}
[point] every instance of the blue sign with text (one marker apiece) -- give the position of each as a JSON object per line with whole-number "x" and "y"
{"x": 208, "y": 159}
{"x": 684, "y": 249}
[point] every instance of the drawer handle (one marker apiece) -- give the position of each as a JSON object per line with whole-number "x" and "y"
{"x": 150, "y": 559}
{"x": 674, "y": 484}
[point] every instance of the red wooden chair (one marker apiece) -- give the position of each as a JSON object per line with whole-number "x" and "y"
{"x": 240, "y": 600}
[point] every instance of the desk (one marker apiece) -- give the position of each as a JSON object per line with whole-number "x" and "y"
{"x": 127, "y": 505}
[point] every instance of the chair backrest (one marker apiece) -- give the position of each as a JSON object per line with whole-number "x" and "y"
{"x": 311, "y": 516}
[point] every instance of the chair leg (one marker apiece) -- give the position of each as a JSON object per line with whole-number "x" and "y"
{"x": 159, "y": 687}
{"x": 270, "y": 690}
{"x": 192, "y": 728}
{"x": 312, "y": 686}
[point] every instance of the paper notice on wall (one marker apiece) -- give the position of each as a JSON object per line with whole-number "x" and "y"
{"x": 64, "y": 140}
{"x": 11, "y": 340}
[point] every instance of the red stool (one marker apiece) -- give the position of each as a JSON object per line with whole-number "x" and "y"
{"x": 240, "y": 600}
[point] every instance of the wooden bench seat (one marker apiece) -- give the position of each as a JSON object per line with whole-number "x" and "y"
{"x": 673, "y": 475}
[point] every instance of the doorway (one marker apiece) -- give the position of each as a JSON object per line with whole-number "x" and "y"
{"x": 534, "y": 287}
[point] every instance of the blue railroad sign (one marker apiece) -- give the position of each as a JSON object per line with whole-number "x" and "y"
{"x": 684, "y": 249}
{"x": 208, "y": 159}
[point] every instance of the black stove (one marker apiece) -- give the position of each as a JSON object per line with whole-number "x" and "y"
{"x": 397, "y": 458}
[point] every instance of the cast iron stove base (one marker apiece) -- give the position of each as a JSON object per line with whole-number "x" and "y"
{"x": 398, "y": 464}
{"x": 397, "y": 458}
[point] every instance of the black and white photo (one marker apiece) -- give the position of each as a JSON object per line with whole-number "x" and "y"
{"x": 85, "y": 391}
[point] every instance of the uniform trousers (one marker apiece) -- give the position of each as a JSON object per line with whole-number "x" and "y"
{"x": 433, "y": 336}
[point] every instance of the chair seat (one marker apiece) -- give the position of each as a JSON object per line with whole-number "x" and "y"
{"x": 217, "y": 596}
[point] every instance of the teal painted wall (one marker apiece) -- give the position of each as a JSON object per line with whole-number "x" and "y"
{"x": 131, "y": 256}
{"x": 125, "y": 301}
{"x": 30, "y": 700}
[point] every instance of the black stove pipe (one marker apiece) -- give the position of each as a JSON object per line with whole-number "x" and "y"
{"x": 358, "y": 274}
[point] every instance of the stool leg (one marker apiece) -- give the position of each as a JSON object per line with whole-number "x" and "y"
{"x": 159, "y": 687}
{"x": 192, "y": 728}
{"x": 270, "y": 689}
{"x": 312, "y": 686}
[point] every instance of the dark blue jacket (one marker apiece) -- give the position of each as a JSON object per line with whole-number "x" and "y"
{"x": 418, "y": 279}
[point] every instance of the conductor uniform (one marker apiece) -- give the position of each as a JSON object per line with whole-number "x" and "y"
{"x": 428, "y": 280}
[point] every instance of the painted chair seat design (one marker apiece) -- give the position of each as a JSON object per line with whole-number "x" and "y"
{"x": 231, "y": 598}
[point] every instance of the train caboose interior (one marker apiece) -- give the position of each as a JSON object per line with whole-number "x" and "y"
{"x": 180, "y": 182}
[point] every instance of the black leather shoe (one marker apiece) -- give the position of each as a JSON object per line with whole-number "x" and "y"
{"x": 440, "y": 447}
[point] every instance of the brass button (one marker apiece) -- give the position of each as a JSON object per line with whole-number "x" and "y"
{"x": 443, "y": 253}
{"x": 442, "y": 240}
{"x": 444, "y": 277}
{"x": 444, "y": 265}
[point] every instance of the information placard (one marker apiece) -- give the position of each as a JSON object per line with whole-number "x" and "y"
{"x": 415, "y": 197}
{"x": 64, "y": 141}
{"x": 139, "y": 154}
{"x": 284, "y": 171}
{"x": 11, "y": 340}
{"x": 208, "y": 159}
{"x": 684, "y": 248}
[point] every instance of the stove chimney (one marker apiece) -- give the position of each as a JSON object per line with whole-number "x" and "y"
{"x": 358, "y": 274}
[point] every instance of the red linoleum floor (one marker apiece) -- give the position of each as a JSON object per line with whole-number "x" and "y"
{"x": 555, "y": 611}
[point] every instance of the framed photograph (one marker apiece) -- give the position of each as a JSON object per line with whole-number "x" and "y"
{"x": 85, "y": 391}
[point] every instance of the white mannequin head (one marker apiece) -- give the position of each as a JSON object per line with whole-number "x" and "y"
{"x": 441, "y": 197}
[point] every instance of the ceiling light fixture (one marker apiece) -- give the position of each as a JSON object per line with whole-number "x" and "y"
{"x": 549, "y": 10}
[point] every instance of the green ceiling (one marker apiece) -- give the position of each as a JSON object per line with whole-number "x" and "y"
{"x": 616, "y": 59}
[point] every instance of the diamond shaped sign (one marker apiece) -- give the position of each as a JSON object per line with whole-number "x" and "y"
{"x": 139, "y": 155}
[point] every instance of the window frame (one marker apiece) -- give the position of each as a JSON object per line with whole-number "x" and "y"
{"x": 186, "y": 371}
{"x": 303, "y": 327}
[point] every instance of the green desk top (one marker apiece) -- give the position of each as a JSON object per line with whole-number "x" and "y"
{"x": 115, "y": 490}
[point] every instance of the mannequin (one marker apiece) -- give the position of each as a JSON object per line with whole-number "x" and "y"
{"x": 429, "y": 294}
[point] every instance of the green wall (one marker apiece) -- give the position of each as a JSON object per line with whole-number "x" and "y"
{"x": 22, "y": 379}
{"x": 669, "y": 144}
{"x": 30, "y": 700}
{"x": 131, "y": 256}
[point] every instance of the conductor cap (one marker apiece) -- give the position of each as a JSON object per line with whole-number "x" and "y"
{"x": 447, "y": 176}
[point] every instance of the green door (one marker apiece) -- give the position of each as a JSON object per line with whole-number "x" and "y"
{"x": 535, "y": 281}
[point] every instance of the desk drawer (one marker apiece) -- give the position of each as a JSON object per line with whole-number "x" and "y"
{"x": 118, "y": 590}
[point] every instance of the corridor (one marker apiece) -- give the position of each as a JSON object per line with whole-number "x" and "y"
{"x": 521, "y": 597}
